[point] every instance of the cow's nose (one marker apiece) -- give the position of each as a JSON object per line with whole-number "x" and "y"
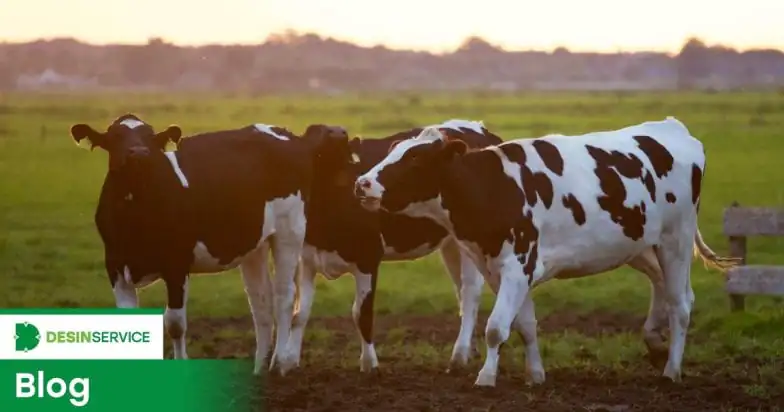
{"x": 360, "y": 186}
{"x": 140, "y": 151}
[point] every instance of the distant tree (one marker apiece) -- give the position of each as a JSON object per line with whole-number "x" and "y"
{"x": 157, "y": 62}
{"x": 236, "y": 72}
{"x": 477, "y": 45}
{"x": 563, "y": 65}
{"x": 239, "y": 59}
{"x": 692, "y": 62}
{"x": 287, "y": 36}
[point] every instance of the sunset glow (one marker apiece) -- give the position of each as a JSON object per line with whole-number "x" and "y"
{"x": 600, "y": 25}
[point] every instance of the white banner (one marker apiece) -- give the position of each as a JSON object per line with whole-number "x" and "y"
{"x": 81, "y": 334}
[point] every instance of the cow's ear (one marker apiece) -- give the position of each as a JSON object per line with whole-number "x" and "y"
{"x": 454, "y": 148}
{"x": 355, "y": 147}
{"x": 81, "y": 131}
{"x": 394, "y": 144}
{"x": 172, "y": 134}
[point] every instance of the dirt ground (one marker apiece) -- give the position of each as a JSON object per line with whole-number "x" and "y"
{"x": 326, "y": 383}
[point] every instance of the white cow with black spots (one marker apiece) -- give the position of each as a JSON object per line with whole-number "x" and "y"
{"x": 531, "y": 210}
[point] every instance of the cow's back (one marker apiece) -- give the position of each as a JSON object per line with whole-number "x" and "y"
{"x": 227, "y": 162}
{"x": 611, "y": 194}
{"x": 239, "y": 183}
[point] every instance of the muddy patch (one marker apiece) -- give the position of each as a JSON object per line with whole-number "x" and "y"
{"x": 329, "y": 380}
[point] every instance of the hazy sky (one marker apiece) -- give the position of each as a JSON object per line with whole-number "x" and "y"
{"x": 603, "y": 25}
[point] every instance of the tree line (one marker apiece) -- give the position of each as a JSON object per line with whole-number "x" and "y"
{"x": 294, "y": 62}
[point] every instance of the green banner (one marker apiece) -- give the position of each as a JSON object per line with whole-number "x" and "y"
{"x": 192, "y": 385}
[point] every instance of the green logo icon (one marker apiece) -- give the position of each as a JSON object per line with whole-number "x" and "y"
{"x": 27, "y": 337}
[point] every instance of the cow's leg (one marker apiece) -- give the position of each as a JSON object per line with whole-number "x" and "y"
{"x": 175, "y": 317}
{"x": 525, "y": 323}
{"x": 468, "y": 288}
{"x": 653, "y": 329}
{"x": 512, "y": 291}
{"x": 124, "y": 293}
{"x": 258, "y": 288}
{"x": 362, "y": 312}
{"x": 674, "y": 255}
{"x": 286, "y": 253}
{"x": 307, "y": 290}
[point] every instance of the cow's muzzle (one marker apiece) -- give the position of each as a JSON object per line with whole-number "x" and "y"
{"x": 361, "y": 190}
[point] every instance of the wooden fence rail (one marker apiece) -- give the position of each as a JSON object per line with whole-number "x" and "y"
{"x": 740, "y": 223}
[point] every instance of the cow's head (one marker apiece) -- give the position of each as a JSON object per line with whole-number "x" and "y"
{"x": 127, "y": 139}
{"x": 411, "y": 172}
{"x": 333, "y": 158}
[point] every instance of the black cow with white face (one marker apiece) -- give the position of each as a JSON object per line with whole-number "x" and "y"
{"x": 222, "y": 200}
{"x": 342, "y": 237}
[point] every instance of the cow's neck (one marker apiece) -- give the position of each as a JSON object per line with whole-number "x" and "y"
{"x": 432, "y": 209}
{"x": 330, "y": 202}
{"x": 460, "y": 190}
{"x": 470, "y": 189}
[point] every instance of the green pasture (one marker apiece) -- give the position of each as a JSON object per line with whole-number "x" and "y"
{"x": 51, "y": 255}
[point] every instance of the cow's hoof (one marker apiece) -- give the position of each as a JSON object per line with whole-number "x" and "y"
{"x": 373, "y": 373}
{"x": 535, "y": 377}
{"x": 286, "y": 365}
{"x": 485, "y": 380}
{"x": 459, "y": 359}
{"x": 673, "y": 374}
{"x": 368, "y": 364}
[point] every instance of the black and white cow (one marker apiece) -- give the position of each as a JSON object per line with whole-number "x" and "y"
{"x": 530, "y": 210}
{"x": 342, "y": 237}
{"x": 222, "y": 200}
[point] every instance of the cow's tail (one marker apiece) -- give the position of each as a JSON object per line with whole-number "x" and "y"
{"x": 709, "y": 258}
{"x": 297, "y": 277}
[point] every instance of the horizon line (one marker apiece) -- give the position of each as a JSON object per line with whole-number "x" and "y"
{"x": 370, "y": 45}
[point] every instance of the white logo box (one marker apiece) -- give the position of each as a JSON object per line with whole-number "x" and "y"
{"x": 108, "y": 323}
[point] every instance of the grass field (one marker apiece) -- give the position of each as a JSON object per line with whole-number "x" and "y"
{"x": 51, "y": 255}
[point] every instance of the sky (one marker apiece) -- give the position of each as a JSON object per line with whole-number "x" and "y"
{"x": 434, "y": 25}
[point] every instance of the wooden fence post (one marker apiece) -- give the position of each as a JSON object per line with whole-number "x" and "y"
{"x": 745, "y": 279}
{"x": 737, "y": 248}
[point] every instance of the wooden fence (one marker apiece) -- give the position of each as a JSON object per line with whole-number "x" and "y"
{"x": 740, "y": 223}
